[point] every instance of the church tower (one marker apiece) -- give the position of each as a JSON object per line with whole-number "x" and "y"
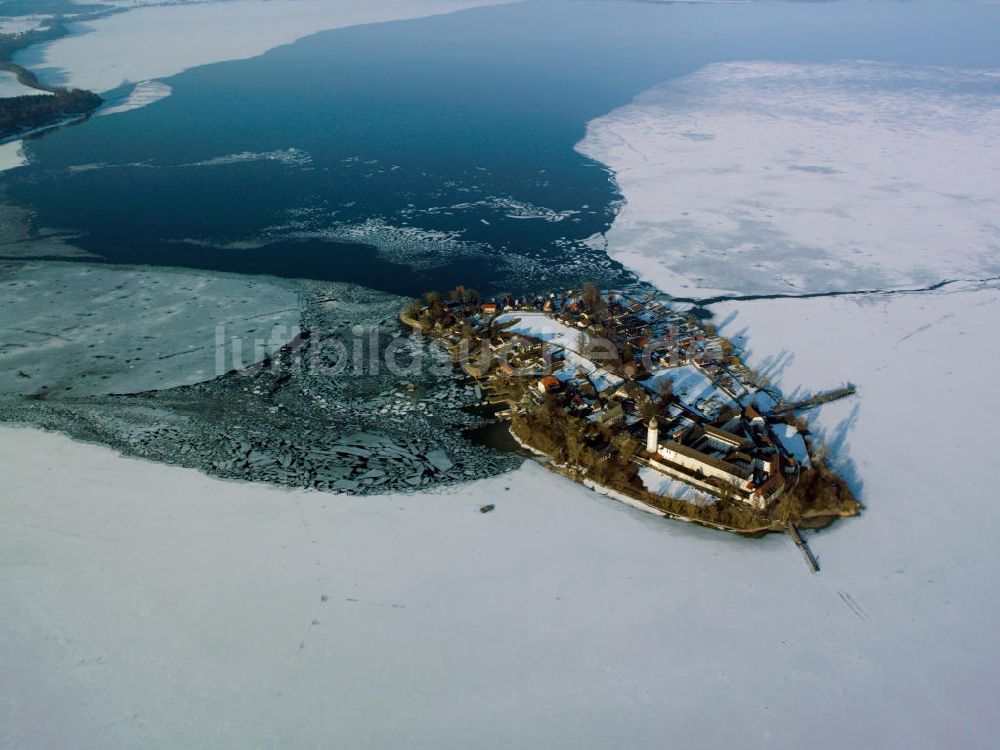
{"x": 652, "y": 436}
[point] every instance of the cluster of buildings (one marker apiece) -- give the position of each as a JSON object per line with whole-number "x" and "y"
{"x": 740, "y": 459}
{"x": 607, "y": 362}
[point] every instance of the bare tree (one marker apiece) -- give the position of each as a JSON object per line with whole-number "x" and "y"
{"x": 593, "y": 301}
{"x": 665, "y": 391}
{"x": 647, "y": 408}
{"x": 626, "y": 445}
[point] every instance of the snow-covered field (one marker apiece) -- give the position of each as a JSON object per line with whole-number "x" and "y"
{"x": 574, "y": 342}
{"x": 691, "y": 386}
{"x": 663, "y": 484}
{"x": 544, "y": 328}
{"x": 768, "y": 177}
{"x": 146, "y": 43}
{"x": 83, "y": 329}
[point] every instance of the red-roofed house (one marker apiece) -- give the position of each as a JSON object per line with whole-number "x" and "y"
{"x": 548, "y": 384}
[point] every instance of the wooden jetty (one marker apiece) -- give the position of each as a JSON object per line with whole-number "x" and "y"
{"x": 820, "y": 398}
{"x": 804, "y": 547}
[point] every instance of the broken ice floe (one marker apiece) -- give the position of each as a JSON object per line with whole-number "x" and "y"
{"x": 511, "y": 208}
{"x": 142, "y": 95}
{"x": 289, "y": 157}
{"x": 82, "y": 329}
{"x": 289, "y": 419}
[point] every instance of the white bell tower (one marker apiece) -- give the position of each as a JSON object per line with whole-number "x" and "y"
{"x": 652, "y": 436}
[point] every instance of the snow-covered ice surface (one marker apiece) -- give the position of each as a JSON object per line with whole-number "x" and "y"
{"x": 82, "y": 329}
{"x": 151, "y": 605}
{"x": 159, "y": 41}
{"x": 164, "y": 607}
{"x": 12, "y": 155}
{"x": 10, "y": 86}
{"x": 765, "y": 177}
{"x": 916, "y": 440}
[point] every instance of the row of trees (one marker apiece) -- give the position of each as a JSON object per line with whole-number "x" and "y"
{"x": 463, "y": 296}
{"x": 21, "y": 113}
{"x": 651, "y": 405}
{"x": 427, "y": 310}
{"x": 593, "y": 302}
{"x": 431, "y": 307}
{"x": 575, "y": 442}
{"x": 12, "y": 43}
{"x": 820, "y": 491}
{"x": 728, "y": 512}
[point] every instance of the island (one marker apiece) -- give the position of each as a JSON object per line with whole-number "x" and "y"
{"x": 639, "y": 399}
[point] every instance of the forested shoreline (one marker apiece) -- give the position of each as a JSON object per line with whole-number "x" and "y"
{"x": 19, "y": 114}
{"x": 22, "y": 113}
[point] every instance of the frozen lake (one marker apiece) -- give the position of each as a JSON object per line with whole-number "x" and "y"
{"x": 167, "y": 607}
{"x": 151, "y": 605}
{"x": 470, "y": 176}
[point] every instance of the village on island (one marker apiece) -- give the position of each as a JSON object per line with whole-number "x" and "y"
{"x": 643, "y": 401}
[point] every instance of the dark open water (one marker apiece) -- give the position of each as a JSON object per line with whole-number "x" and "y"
{"x": 462, "y": 126}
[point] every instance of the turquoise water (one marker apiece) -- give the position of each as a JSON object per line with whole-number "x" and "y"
{"x": 462, "y": 126}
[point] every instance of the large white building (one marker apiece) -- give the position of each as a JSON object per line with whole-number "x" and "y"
{"x": 731, "y": 470}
